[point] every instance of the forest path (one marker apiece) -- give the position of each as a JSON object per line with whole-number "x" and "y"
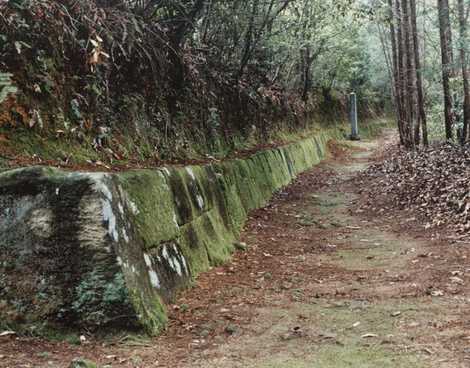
{"x": 321, "y": 284}
{"x": 327, "y": 286}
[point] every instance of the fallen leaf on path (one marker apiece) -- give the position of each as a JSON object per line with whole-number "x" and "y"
{"x": 456, "y": 280}
{"x": 369, "y": 335}
{"x": 428, "y": 351}
{"x": 353, "y": 227}
{"x": 327, "y": 336}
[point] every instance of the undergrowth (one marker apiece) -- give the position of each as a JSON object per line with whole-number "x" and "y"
{"x": 105, "y": 86}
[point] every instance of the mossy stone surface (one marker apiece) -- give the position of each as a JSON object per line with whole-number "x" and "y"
{"x": 113, "y": 249}
{"x": 151, "y": 200}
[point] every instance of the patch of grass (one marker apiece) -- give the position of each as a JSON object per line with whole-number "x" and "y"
{"x": 349, "y": 348}
{"x": 371, "y": 250}
{"x": 347, "y": 356}
{"x": 29, "y": 143}
{"x": 326, "y": 203}
{"x": 347, "y": 322}
{"x": 361, "y": 258}
{"x": 373, "y": 128}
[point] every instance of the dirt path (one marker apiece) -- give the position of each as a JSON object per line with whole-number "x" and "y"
{"x": 322, "y": 284}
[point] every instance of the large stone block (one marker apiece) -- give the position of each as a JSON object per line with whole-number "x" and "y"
{"x": 97, "y": 249}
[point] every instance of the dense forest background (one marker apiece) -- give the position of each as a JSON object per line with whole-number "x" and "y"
{"x": 161, "y": 79}
{"x": 181, "y": 78}
{"x": 428, "y": 61}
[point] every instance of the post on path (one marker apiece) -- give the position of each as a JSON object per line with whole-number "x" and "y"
{"x": 353, "y": 117}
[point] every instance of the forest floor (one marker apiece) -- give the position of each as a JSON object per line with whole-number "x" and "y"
{"x": 322, "y": 284}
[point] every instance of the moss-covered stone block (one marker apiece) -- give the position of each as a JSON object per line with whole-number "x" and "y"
{"x": 150, "y": 199}
{"x": 97, "y": 250}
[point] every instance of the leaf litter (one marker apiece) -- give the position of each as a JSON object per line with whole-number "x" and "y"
{"x": 432, "y": 182}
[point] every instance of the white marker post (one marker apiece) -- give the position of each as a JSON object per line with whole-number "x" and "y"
{"x": 353, "y": 117}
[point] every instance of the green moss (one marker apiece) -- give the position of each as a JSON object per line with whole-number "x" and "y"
{"x": 29, "y": 143}
{"x": 207, "y": 242}
{"x": 194, "y": 248}
{"x": 185, "y": 202}
{"x": 200, "y": 189}
{"x": 204, "y": 184}
{"x": 12, "y": 176}
{"x": 218, "y": 240}
{"x": 150, "y": 310}
{"x": 152, "y": 207}
{"x": 230, "y": 204}
{"x": 99, "y": 301}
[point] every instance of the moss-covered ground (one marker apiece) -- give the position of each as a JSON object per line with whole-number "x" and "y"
{"x": 23, "y": 146}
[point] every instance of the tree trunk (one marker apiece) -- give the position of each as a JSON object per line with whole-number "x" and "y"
{"x": 396, "y": 73}
{"x": 409, "y": 75}
{"x": 446, "y": 54}
{"x": 386, "y": 54}
{"x": 419, "y": 78}
{"x": 306, "y": 66}
{"x": 407, "y": 133}
{"x": 247, "y": 47}
{"x": 465, "y": 69}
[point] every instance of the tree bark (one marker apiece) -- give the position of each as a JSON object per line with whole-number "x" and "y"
{"x": 419, "y": 78}
{"x": 247, "y": 47}
{"x": 447, "y": 61}
{"x": 396, "y": 73}
{"x": 465, "y": 68}
{"x": 409, "y": 75}
{"x": 306, "y": 66}
{"x": 407, "y": 132}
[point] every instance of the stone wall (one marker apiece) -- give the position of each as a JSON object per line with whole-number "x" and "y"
{"x": 97, "y": 249}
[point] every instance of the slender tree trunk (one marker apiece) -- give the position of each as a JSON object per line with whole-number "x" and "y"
{"x": 306, "y": 66}
{"x": 396, "y": 73}
{"x": 247, "y": 47}
{"x": 405, "y": 98}
{"x": 410, "y": 74}
{"x": 447, "y": 61}
{"x": 386, "y": 54}
{"x": 206, "y": 22}
{"x": 465, "y": 68}
{"x": 419, "y": 78}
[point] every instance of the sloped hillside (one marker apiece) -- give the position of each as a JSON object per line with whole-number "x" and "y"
{"x": 90, "y": 85}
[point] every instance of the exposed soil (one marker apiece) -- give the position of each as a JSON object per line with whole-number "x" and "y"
{"x": 322, "y": 284}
